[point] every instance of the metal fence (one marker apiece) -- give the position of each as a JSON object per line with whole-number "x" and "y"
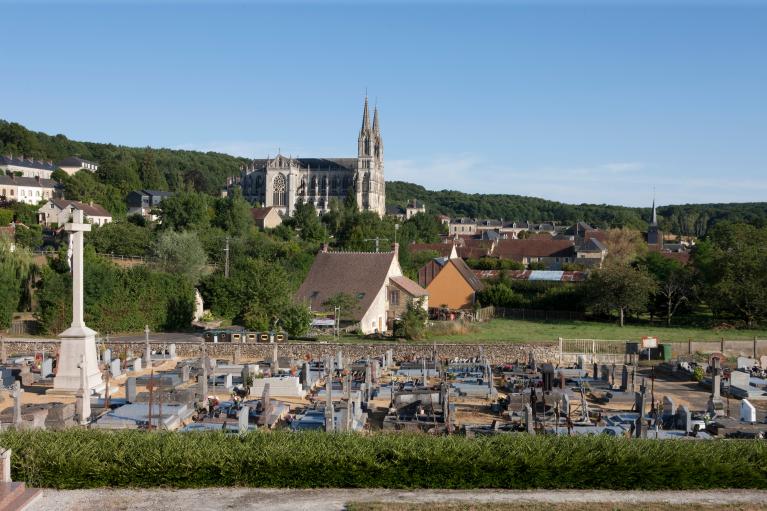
{"x": 592, "y": 348}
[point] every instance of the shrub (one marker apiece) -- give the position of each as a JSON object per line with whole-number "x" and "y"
{"x": 93, "y": 459}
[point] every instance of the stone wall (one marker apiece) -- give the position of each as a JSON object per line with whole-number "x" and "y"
{"x": 496, "y": 353}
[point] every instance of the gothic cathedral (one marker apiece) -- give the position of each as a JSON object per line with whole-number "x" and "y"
{"x": 282, "y": 181}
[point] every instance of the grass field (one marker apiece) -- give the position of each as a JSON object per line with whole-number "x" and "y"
{"x": 520, "y": 331}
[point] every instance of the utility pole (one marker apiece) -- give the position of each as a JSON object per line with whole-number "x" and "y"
{"x": 226, "y": 258}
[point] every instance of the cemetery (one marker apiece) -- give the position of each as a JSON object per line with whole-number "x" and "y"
{"x": 86, "y": 388}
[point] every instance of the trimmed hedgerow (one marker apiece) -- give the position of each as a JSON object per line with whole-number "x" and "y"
{"x": 91, "y": 459}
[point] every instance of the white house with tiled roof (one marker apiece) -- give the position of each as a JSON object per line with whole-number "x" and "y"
{"x": 57, "y": 212}
{"x": 373, "y": 279}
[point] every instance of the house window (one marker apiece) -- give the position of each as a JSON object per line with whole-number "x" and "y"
{"x": 394, "y": 297}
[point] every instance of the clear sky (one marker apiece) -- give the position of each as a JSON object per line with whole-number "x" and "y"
{"x": 563, "y": 100}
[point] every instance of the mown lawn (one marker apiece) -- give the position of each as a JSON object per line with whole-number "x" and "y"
{"x": 520, "y": 331}
{"x": 510, "y": 330}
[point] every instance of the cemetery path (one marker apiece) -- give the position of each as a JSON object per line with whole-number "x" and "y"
{"x": 335, "y": 499}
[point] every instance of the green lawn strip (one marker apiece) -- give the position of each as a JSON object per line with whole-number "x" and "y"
{"x": 92, "y": 459}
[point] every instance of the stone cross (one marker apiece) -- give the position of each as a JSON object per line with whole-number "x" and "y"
{"x": 529, "y": 426}
{"x": 147, "y": 349}
{"x": 368, "y": 380}
{"x": 716, "y": 379}
{"x": 16, "y": 393}
{"x": 77, "y": 228}
{"x": 83, "y": 395}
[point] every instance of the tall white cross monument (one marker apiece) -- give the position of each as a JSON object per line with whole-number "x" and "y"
{"x": 78, "y": 342}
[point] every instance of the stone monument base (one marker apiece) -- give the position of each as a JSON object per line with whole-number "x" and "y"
{"x": 76, "y": 343}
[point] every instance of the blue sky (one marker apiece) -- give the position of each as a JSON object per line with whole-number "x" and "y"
{"x": 569, "y": 101}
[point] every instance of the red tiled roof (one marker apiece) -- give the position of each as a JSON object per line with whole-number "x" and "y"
{"x": 519, "y": 249}
{"x": 90, "y": 209}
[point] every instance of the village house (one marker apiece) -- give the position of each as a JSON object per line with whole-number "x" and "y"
{"x": 442, "y": 249}
{"x": 551, "y": 253}
{"x": 29, "y": 190}
{"x": 266, "y": 218}
{"x": 412, "y": 208}
{"x": 73, "y": 164}
{"x": 146, "y": 202}
{"x": 57, "y": 212}
{"x": 21, "y": 166}
{"x": 450, "y": 283}
{"x": 373, "y": 279}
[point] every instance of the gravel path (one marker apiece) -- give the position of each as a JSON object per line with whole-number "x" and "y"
{"x": 335, "y": 499}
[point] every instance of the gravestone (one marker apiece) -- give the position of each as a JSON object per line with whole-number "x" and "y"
{"x": 746, "y": 363}
{"x": 8, "y": 377}
{"x": 547, "y": 372}
{"x": 185, "y": 372}
{"x": 566, "y": 405}
{"x": 633, "y": 374}
{"x": 266, "y": 405}
{"x": 740, "y": 380}
{"x": 329, "y": 411}
{"x": 172, "y": 351}
{"x": 25, "y": 375}
{"x": 763, "y": 362}
{"x": 529, "y": 426}
{"x": 612, "y": 376}
{"x": 136, "y": 364}
{"x": 242, "y": 419}
{"x": 684, "y": 419}
{"x": 130, "y": 389}
{"x": 641, "y": 424}
{"x": 106, "y": 356}
{"x": 114, "y": 368}
{"x": 228, "y": 381}
{"x": 596, "y": 371}
{"x": 16, "y": 393}
{"x": 83, "y": 403}
{"x": 747, "y": 412}
{"x": 716, "y": 379}
{"x": 389, "y": 358}
{"x": 202, "y": 379}
{"x": 669, "y": 407}
{"x": 47, "y": 368}
{"x": 581, "y": 362}
{"x": 339, "y": 360}
{"x": 531, "y": 363}
{"x": 305, "y": 375}
{"x": 605, "y": 372}
{"x": 275, "y": 366}
{"x": 376, "y": 370}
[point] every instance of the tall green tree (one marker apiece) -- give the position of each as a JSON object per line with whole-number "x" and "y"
{"x": 185, "y": 211}
{"x": 181, "y": 253}
{"x": 732, "y": 262}
{"x": 621, "y": 288}
{"x": 149, "y": 174}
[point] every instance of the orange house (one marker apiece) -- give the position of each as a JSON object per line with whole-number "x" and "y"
{"x": 450, "y": 283}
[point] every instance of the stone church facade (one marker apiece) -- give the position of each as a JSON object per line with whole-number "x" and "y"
{"x": 283, "y": 181}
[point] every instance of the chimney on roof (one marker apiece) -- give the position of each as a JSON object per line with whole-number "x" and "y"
{"x": 90, "y": 203}
{"x": 325, "y": 247}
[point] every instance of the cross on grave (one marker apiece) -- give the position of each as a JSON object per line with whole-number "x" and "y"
{"x": 78, "y": 342}
{"x": 329, "y": 420}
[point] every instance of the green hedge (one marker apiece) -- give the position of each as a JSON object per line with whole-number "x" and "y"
{"x": 90, "y": 459}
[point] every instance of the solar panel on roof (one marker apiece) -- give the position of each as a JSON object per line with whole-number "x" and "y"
{"x": 550, "y": 275}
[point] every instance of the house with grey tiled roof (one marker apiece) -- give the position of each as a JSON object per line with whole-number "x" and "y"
{"x": 374, "y": 280}
{"x": 57, "y": 212}
{"x": 24, "y": 166}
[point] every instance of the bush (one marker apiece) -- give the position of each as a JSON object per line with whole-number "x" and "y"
{"x": 94, "y": 459}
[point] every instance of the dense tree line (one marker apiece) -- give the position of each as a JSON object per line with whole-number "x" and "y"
{"x": 688, "y": 219}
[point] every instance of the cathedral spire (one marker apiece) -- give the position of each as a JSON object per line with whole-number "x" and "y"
{"x": 654, "y": 212}
{"x": 365, "y": 116}
{"x": 376, "y": 127}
